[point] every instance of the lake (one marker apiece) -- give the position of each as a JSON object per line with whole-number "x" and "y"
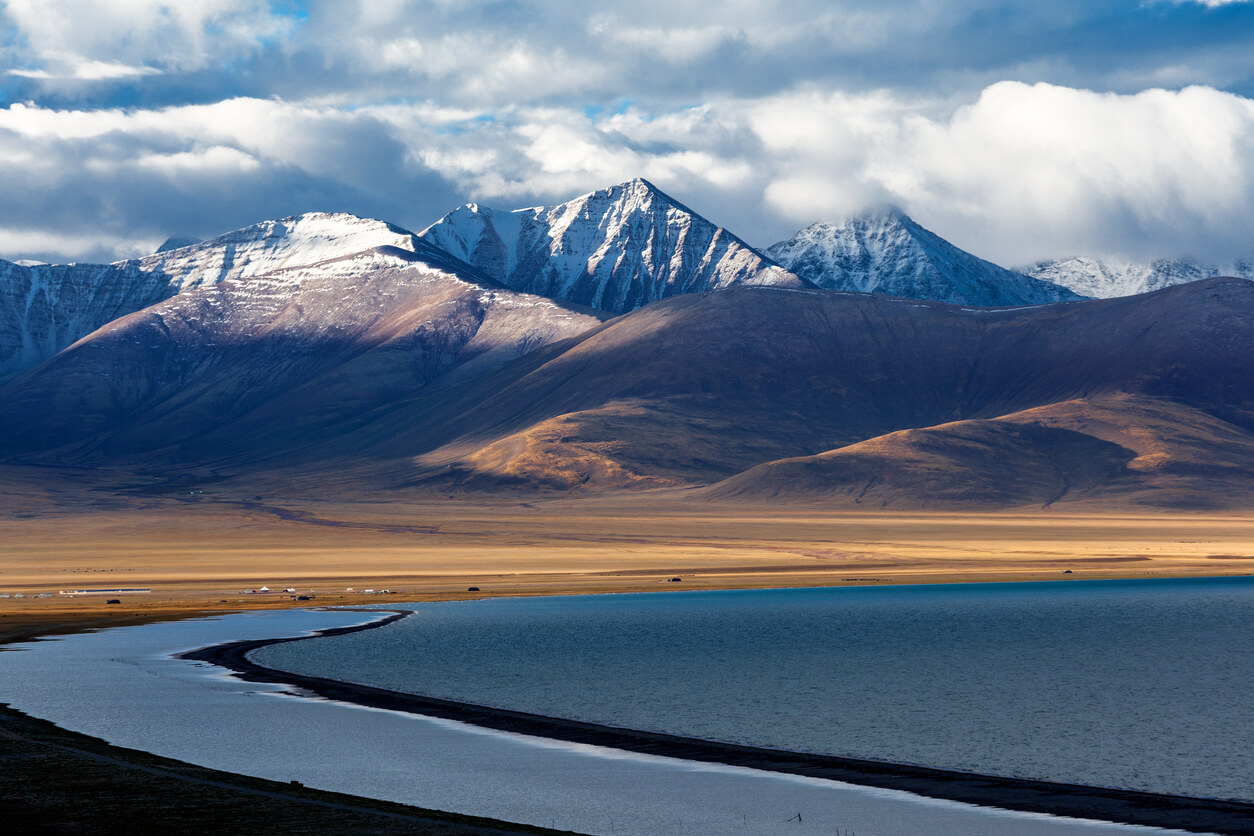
{"x": 1132, "y": 684}
{"x": 837, "y": 670}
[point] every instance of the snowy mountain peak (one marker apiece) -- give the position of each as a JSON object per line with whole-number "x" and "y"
{"x": 270, "y": 246}
{"x": 615, "y": 249}
{"x": 883, "y": 250}
{"x": 637, "y": 187}
{"x": 45, "y": 308}
{"x": 1106, "y": 279}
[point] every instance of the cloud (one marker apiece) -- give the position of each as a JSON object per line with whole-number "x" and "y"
{"x": 73, "y": 36}
{"x": 1048, "y": 169}
{"x": 90, "y": 71}
{"x": 109, "y": 183}
{"x": 1022, "y": 172}
{"x": 66, "y": 247}
{"x": 129, "y": 120}
{"x": 660, "y": 53}
{"x": 682, "y": 43}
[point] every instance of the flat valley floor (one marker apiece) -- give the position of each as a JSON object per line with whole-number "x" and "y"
{"x": 200, "y": 551}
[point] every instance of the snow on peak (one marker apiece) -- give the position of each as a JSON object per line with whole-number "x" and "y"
{"x": 269, "y": 246}
{"x": 615, "y": 249}
{"x": 45, "y": 308}
{"x": 1105, "y": 279}
{"x": 883, "y": 250}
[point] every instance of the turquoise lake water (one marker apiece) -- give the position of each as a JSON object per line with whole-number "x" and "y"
{"x": 1140, "y": 684}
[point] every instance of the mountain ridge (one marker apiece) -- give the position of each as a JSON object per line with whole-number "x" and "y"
{"x": 1105, "y": 279}
{"x": 614, "y": 249}
{"x": 44, "y": 309}
{"x": 883, "y": 250}
{"x": 337, "y": 350}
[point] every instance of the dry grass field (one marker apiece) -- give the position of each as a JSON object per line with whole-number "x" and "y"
{"x": 197, "y": 552}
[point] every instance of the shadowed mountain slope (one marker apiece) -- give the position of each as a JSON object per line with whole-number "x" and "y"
{"x": 693, "y": 388}
{"x": 1073, "y": 451}
{"x": 310, "y": 344}
{"x": 869, "y": 398}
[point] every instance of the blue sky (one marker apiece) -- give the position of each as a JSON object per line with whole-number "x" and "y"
{"x": 1020, "y": 130}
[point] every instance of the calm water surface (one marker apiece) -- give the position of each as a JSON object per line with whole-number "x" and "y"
{"x": 125, "y": 686}
{"x": 1141, "y": 684}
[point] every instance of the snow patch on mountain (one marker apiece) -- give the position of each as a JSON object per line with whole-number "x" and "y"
{"x": 1104, "y": 279}
{"x": 884, "y": 251}
{"x": 274, "y": 245}
{"x": 615, "y": 249}
{"x": 45, "y": 308}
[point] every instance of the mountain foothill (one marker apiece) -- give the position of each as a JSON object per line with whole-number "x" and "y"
{"x": 623, "y": 343}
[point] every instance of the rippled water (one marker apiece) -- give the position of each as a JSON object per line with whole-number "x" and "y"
{"x": 1141, "y": 684}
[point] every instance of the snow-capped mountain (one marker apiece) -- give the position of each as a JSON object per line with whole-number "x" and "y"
{"x": 884, "y": 251}
{"x": 264, "y": 357}
{"x": 45, "y": 308}
{"x": 615, "y": 249}
{"x": 1107, "y": 279}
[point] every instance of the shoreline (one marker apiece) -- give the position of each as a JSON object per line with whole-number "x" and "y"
{"x": 1025, "y": 795}
{"x": 55, "y": 780}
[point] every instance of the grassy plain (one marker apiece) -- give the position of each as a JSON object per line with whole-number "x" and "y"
{"x": 199, "y": 553}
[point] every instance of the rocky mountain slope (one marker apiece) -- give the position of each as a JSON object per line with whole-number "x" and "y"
{"x": 1101, "y": 279}
{"x": 884, "y": 251}
{"x": 183, "y": 379}
{"x": 615, "y": 249}
{"x": 45, "y": 308}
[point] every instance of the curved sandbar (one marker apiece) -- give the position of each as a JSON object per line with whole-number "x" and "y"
{"x": 1056, "y": 798}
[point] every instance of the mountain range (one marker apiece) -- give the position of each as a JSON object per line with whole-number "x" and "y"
{"x": 622, "y": 342}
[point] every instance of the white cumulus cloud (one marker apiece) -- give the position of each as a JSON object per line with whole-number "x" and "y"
{"x": 1015, "y": 173}
{"x": 83, "y": 39}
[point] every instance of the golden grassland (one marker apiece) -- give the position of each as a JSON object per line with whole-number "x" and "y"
{"x": 202, "y": 553}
